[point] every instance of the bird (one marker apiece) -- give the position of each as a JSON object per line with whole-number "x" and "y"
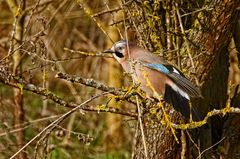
{"x": 165, "y": 79}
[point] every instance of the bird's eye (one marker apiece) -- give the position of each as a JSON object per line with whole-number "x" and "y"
{"x": 120, "y": 48}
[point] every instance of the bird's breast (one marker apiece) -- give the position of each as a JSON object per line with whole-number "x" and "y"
{"x": 151, "y": 81}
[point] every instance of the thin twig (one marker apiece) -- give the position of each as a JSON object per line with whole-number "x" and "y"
{"x": 88, "y": 11}
{"x": 186, "y": 41}
{"x": 113, "y": 20}
{"x": 30, "y": 17}
{"x": 33, "y": 7}
{"x": 191, "y": 139}
{"x": 106, "y": 11}
{"x": 210, "y": 147}
{"x": 184, "y": 144}
{"x": 196, "y": 11}
{"x": 111, "y": 10}
{"x": 57, "y": 121}
{"x": 20, "y": 83}
{"x": 27, "y": 124}
{"x": 95, "y": 54}
{"x": 78, "y": 134}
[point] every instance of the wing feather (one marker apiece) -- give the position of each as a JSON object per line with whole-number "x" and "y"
{"x": 177, "y": 77}
{"x": 185, "y": 85}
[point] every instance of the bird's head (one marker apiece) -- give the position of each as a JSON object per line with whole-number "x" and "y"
{"x": 119, "y": 50}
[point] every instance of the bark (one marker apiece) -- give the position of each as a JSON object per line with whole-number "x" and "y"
{"x": 213, "y": 70}
{"x": 230, "y": 148}
{"x": 159, "y": 140}
{"x": 236, "y": 34}
{"x": 210, "y": 45}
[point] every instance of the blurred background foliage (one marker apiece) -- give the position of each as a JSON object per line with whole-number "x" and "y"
{"x": 64, "y": 24}
{"x": 50, "y": 29}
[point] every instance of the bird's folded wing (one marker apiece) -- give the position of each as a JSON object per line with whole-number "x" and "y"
{"x": 177, "y": 77}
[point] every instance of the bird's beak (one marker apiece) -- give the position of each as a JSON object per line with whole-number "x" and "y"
{"x": 109, "y": 51}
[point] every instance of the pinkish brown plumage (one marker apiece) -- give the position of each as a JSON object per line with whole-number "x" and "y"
{"x": 165, "y": 78}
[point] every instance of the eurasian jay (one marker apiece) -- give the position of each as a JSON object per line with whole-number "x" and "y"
{"x": 164, "y": 78}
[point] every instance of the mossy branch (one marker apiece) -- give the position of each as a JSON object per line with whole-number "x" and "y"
{"x": 15, "y": 81}
{"x": 215, "y": 112}
{"x": 18, "y": 82}
{"x": 122, "y": 94}
{"x": 90, "y": 83}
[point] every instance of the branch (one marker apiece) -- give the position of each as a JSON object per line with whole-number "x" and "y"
{"x": 7, "y": 78}
{"x": 95, "y": 54}
{"x": 112, "y": 10}
{"x": 106, "y": 11}
{"x": 90, "y": 83}
{"x": 25, "y": 125}
{"x": 51, "y": 126}
{"x": 110, "y": 110}
{"x": 124, "y": 94}
{"x": 100, "y": 86}
{"x": 193, "y": 125}
{"x": 42, "y": 4}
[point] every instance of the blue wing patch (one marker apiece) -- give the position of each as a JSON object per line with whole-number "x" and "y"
{"x": 158, "y": 67}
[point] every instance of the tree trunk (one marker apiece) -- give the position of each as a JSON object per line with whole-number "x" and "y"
{"x": 160, "y": 141}
{"x": 210, "y": 45}
{"x": 213, "y": 67}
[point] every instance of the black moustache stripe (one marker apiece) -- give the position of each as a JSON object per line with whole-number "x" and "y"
{"x": 118, "y": 54}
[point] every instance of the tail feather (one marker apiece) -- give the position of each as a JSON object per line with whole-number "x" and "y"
{"x": 180, "y": 103}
